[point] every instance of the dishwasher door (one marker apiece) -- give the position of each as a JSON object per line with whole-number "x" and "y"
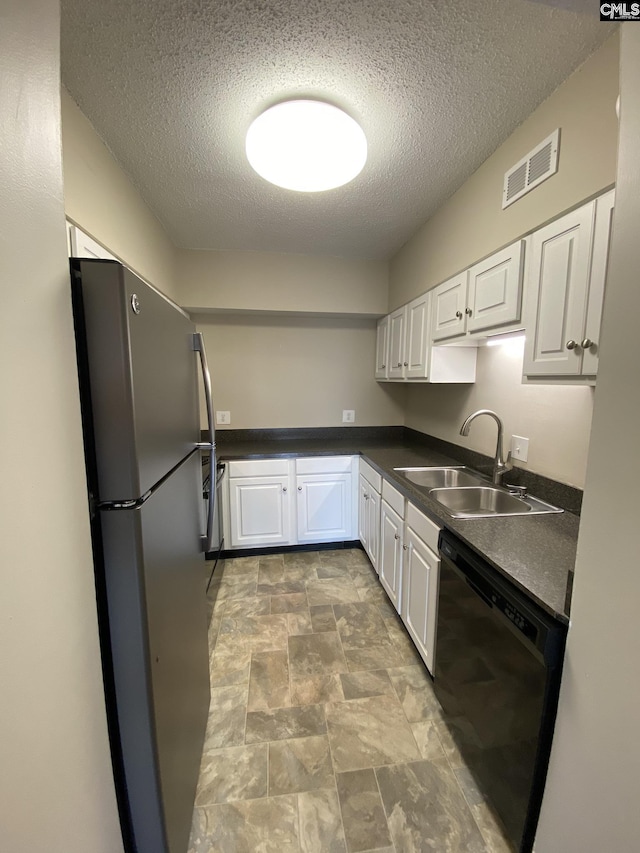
{"x": 497, "y": 676}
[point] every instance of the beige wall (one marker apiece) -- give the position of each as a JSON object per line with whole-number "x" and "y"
{"x": 472, "y": 223}
{"x": 262, "y": 281}
{"x": 302, "y": 372}
{"x": 555, "y": 419}
{"x": 591, "y": 798}
{"x": 100, "y": 199}
{"x": 56, "y": 784}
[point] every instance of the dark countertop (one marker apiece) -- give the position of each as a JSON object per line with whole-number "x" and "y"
{"x": 537, "y": 553}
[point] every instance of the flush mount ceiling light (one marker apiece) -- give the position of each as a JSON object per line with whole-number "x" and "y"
{"x": 308, "y": 146}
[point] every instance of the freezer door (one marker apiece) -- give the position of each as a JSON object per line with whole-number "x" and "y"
{"x": 155, "y": 589}
{"x": 138, "y": 372}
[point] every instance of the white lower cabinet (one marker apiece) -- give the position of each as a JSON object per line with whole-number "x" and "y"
{"x": 259, "y": 511}
{"x": 273, "y": 502}
{"x": 324, "y": 507}
{"x": 369, "y": 519}
{"x": 421, "y": 573}
{"x": 390, "y": 564}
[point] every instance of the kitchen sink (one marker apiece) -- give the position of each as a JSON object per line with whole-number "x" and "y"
{"x": 434, "y": 478}
{"x": 487, "y": 502}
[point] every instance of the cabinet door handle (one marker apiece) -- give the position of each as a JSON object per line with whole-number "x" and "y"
{"x": 384, "y": 366}
{"x": 468, "y": 311}
{"x": 366, "y": 497}
{"x": 299, "y": 488}
{"x": 396, "y": 536}
{"x": 571, "y": 344}
{"x": 404, "y": 547}
{"x": 284, "y": 488}
{"x": 459, "y": 315}
{"x": 406, "y": 364}
{"x": 399, "y": 364}
{"x": 587, "y": 343}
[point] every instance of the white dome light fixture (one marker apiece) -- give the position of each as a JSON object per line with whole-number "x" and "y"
{"x": 308, "y": 146}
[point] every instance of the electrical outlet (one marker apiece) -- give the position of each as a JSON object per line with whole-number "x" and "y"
{"x": 223, "y": 417}
{"x": 348, "y": 416}
{"x": 519, "y": 448}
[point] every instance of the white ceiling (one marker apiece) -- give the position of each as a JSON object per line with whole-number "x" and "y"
{"x": 172, "y": 85}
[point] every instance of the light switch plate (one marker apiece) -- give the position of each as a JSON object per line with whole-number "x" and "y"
{"x": 519, "y": 448}
{"x": 348, "y": 416}
{"x": 223, "y": 417}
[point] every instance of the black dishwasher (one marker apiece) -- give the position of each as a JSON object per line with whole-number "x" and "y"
{"x": 497, "y": 676}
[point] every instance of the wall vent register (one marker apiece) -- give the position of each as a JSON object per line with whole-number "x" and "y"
{"x": 534, "y": 168}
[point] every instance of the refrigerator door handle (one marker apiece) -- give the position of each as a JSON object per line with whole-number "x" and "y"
{"x": 198, "y": 346}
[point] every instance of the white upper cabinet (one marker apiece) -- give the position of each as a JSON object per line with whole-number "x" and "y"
{"x": 417, "y": 344}
{"x": 83, "y": 246}
{"x": 397, "y": 324}
{"x": 486, "y": 297}
{"x": 449, "y": 303}
{"x": 566, "y": 272}
{"x": 382, "y": 347}
{"x": 495, "y": 290}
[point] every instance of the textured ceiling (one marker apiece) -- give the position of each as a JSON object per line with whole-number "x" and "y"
{"x": 172, "y": 85}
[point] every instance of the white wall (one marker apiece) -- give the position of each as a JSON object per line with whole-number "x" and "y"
{"x": 56, "y": 786}
{"x": 555, "y": 419}
{"x": 300, "y": 372}
{"x": 101, "y": 199}
{"x": 268, "y": 281}
{"x": 591, "y": 798}
{"x": 472, "y": 224}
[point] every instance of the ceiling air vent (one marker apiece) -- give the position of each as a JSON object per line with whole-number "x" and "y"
{"x": 538, "y": 165}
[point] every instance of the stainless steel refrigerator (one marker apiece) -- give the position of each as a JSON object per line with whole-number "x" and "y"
{"x": 138, "y": 362}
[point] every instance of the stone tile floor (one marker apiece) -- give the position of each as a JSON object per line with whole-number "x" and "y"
{"x": 324, "y": 733}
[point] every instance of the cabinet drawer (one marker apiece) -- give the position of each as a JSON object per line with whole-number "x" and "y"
{"x": 372, "y": 476}
{"x": 324, "y": 465}
{"x": 393, "y": 498}
{"x": 259, "y": 467}
{"x": 426, "y": 529}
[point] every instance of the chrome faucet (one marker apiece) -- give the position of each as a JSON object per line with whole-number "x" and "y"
{"x": 500, "y": 466}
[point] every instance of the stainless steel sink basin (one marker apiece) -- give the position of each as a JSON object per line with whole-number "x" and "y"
{"x": 487, "y": 502}
{"x": 434, "y": 478}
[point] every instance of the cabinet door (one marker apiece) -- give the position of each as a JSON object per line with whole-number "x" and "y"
{"x": 598, "y": 277}
{"x": 558, "y": 268}
{"x": 324, "y": 507}
{"x": 495, "y": 289}
{"x": 373, "y": 511}
{"x": 382, "y": 347}
{"x": 421, "y": 573}
{"x": 397, "y": 322}
{"x": 448, "y": 305}
{"x": 259, "y": 511}
{"x": 391, "y": 553}
{"x": 363, "y": 512}
{"x": 416, "y": 351}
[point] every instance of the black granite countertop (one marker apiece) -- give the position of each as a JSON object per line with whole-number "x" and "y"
{"x": 536, "y": 553}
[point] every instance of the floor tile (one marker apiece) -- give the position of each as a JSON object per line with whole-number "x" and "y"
{"x": 365, "y": 825}
{"x": 285, "y": 724}
{"x": 264, "y": 633}
{"x": 325, "y": 571}
{"x": 269, "y": 681}
{"x": 374, "y": 657}
{"x": 332, "y": 591}
{"x": 241, "y": 587}
{"x": 280, "y": 587}
{"x": 360, "y": 626}
{"x": 229, "y": 663}
{"x": 491, "y": 828}
{"x": 426, "y": 736}
{"x": 305, "y": 562}
{"x": 292, "y": 603}
{"x": 359, "y": 685}
{"x": 426, "y": 810}
{"x": 369, "y": 732}
{"x": 238, "y": 773}
{"x": 321, "y": 828}
{"x": 322, "y": 618}
{"x": 258, "y": 605}
{"x": 227, "y": 712}
{"x": 373, "y": 595}
{"x": 316, "y": 689}
{"x": 269, "y": 825}
{"x": 299, "y": 623}
{"x": 302, "y": 764}
{"x": 415, "y": 692}
{"x": 315, "y": 654}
